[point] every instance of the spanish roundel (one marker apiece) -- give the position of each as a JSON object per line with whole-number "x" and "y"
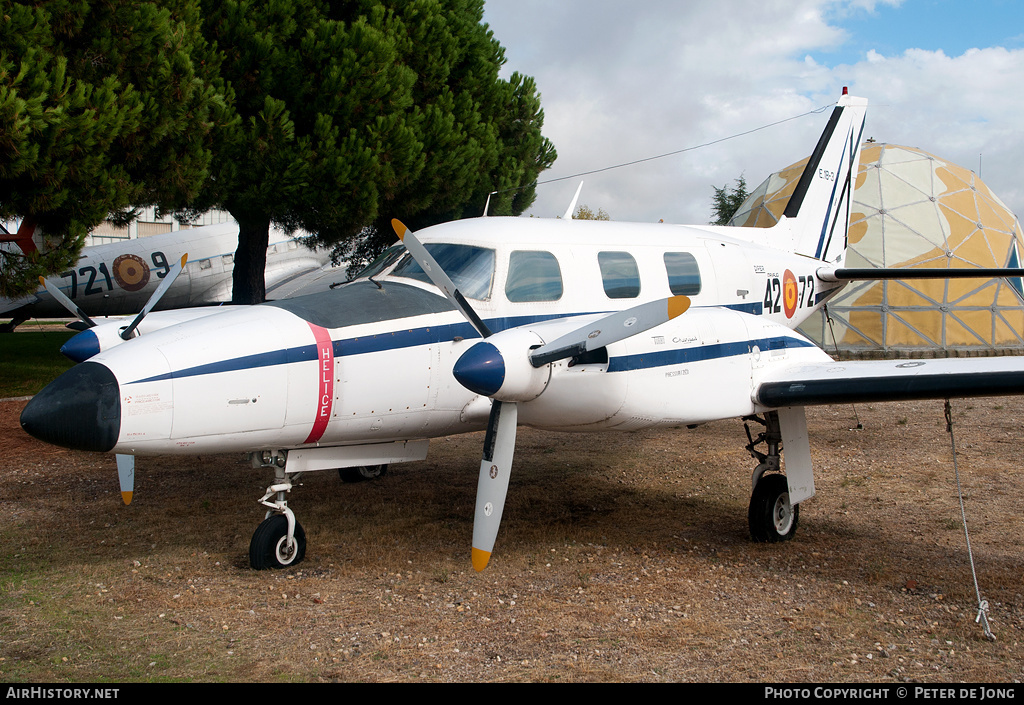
{"x": 789, "y": 293}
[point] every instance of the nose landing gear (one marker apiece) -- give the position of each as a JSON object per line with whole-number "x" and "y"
{"x": 280, "y": 540}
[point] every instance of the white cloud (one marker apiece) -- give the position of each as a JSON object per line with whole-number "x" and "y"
{"x": 622, "y": 82}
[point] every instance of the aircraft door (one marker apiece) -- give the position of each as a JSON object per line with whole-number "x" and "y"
{"x": 385, "y": 391}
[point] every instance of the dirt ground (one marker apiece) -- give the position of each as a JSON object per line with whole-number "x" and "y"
{"x": 621, "y": 557}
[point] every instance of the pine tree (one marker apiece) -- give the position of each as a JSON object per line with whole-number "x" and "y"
{"x": 104, "y": 107}
{"x": 726, "y": 201}
{"x": 355, "y": 113}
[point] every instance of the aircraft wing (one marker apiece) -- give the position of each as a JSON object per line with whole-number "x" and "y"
{"x": 14, "y": 304}
{"x": 862, "y": 381}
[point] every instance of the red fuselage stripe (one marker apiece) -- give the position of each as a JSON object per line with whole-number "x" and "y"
{"x": 325, "y": 370}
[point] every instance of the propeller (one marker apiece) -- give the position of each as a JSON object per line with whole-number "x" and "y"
{"x": 438, "y": 277}
{"x": 507, "y": 368}
{"x": 67, "y": 303}
{"x": 126, "y": 476}
{"x": 169, "y": 278}
{"x": 71, "y": 306}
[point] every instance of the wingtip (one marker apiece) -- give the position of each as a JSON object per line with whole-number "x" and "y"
{"x": 480, "y": 559}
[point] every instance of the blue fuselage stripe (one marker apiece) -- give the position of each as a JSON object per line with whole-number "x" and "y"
{"x": 681, "y": 356}
{"x": 407, "y": 338}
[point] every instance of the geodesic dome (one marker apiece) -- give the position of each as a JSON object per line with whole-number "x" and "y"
{"x": 913, "y": 209}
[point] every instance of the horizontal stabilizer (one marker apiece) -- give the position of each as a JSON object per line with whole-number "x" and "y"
{"x": 828, "y": 274}
{"x": 864, "y": 381}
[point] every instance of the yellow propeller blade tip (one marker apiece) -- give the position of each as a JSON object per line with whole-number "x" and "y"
{"x": 677, "y": 306}
{"x": 184, "y": 259}
{"x": 127, "y": 497}
{"x": 42, "y": 281}
{"x": 399, "y": 227}
{"x": 480, "y": 559}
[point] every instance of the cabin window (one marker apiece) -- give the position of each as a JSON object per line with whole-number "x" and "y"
{"x": 470, "y": 268}
{"x": 619, "y": 274}
{"x": 683, "y": 273}
{"x": 533, "y": 276}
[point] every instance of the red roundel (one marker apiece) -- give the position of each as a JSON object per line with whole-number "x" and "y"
{"x": 789, "y": 293}
{"x": 130, "y": 272}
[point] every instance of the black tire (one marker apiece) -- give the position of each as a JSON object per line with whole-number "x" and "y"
{"x": 771, "y": 517}
{"x": 267, "y": 548}
{"x": 362, "y": 473}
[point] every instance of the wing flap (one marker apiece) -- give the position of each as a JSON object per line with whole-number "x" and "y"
{"x": 863, "y": 381}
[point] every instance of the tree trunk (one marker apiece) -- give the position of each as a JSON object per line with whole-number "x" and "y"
{"x": 249, "y": 276}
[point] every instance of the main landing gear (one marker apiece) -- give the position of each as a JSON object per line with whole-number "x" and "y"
{"x": 362, "y": 473}
{"x": 771, "y": 516}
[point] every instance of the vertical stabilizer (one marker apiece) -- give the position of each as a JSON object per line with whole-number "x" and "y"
{"x": 819, "y": 209}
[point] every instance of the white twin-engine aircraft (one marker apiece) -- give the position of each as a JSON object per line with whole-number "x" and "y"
{"x": 557, "y": 324}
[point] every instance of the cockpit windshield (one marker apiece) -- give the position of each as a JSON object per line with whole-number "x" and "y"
{"x": 385, "y": 260}
{"x": 470, "y": 268}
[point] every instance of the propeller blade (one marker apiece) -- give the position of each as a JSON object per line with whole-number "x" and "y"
{"x": 169, "y": 278}
{"x": 64, "y": 301}
{"x": 611, "y": 329}
{"x": 495, "y": 469}
{"x": 438, "y": 277}
{"x": 126, "y": 475}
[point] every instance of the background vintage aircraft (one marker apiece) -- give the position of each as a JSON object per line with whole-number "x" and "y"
{"x": 559, "y": 324}
{"x": 119, "y": 278}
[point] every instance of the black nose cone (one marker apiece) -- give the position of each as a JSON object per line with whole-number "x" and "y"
{"x": 81, "y": 409}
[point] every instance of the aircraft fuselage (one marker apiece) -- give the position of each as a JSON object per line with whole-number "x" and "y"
{"x": 367, "y": 363}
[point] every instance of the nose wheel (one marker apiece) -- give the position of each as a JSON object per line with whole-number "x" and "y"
{"x": 272, "y": 547}
{"x": 279, "y": 541}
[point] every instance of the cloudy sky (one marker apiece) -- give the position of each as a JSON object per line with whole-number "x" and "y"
{"x": 623, "y": 81}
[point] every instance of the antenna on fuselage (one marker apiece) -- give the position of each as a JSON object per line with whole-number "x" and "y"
{"x": 487, "y": 205}
{"x": 572, "y": 206}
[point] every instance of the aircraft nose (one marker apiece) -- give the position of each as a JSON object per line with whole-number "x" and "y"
{"x": 81, "y": 409}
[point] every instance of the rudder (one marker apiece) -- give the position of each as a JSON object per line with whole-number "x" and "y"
{"x": 819, "y": 209}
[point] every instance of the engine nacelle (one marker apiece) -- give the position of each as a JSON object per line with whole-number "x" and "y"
{"x": 500, "y": 368}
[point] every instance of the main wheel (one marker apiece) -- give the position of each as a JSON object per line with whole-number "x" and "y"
{"x": 269, "y": 549}
{"x": 362, "y": 473}
{"x": 772, "y": 518}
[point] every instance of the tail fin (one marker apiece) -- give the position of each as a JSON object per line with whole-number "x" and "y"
{"x": 819, "y": 209}
{"x": 23, "y": 238}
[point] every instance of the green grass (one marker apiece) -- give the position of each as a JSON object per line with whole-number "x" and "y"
{"x": 31, "y": 360}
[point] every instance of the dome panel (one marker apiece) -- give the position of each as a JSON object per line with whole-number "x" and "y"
{"x": 909, "y": 209}
{"x": 903, "y": 294}
{"x": 913, "y": 328}
{"x": 869, "y": 192}
{"x": 900, "y": 243}
{"x": 896, "y": 154}
{"x": 967, "y": 328}
{"x": 962, "y": 203}
{"x": 923, "y": 218}
{"x": 899, "y": 191}
{"x": 1005, "y": 334}
{"x": 959, "y": 227}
